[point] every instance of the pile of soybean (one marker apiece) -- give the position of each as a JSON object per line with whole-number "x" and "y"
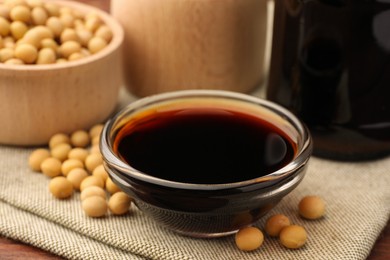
{"x": 41, "y": 32}
{"x": 279, "y": 226}
{"x": 74, "y": 163}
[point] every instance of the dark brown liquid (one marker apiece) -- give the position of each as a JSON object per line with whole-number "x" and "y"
{"x": 204, "y": 146}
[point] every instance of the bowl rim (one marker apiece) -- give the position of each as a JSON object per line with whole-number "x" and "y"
{"x": 114, "y": 44}
{"x": 301, "y": 158}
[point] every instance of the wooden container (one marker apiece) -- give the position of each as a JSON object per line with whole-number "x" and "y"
{"x": 37, "y": 101}
{"x": 192, "y": 44}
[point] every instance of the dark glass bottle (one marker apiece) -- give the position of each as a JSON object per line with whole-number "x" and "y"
{"x": 330, "y": 65}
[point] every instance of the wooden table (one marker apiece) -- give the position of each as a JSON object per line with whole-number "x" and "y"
{"x": 10, "y": 249}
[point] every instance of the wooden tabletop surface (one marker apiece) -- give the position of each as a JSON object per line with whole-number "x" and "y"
{"x": 10, "y": 249}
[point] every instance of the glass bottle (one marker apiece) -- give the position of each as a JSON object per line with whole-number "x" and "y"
{"x": 330, "y": 65}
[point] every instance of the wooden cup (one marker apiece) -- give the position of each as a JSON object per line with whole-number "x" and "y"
{"x": 192, "y": 44}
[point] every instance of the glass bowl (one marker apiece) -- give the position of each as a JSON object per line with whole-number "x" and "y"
{"x": 207, "y": 209}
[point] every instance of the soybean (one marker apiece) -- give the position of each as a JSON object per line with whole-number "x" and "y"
{"x": 80, "y": 138}
{"x": 14, "y": 61}
{"x": 49, "y": 43}
{"x": 39, "y": 15}
{"x": 37, "y": 157}
{"x": 92, "y": 161}
{"x": 26, "y": 52}
{"x": 20, "y": 13}
{"x": 51, "y": 167}
{"x": 69, "y": 34}
{"x": 101, "y": 172}
{"x": 78, "y": 153}
{"x": 4, "y": 26}
{"x": 111, "y": 187}
{"x": 275, "y": 224}
{"x": 293, "y": 236}
{"x": 84, "y": 36}
{"x": 76, "y": 56}
{"x": 46, "y": 56}
{"x": 61, "y": 151}
{"x": 69, "y": 47}
{"x": 96, "y": 130}
{"x": 91, "y": 181}
{"x": 18, "y": 29}
{"x": 70, "y": 164}
{"x": 58, "y": 139}
{"x": 60, "y": 187}
{"x": 52, "y": 9}
{"x": 67, "y": 19}
{"x": 96, "y": 44}
{"x": 249, "y": 238}
{"x": 104, "y": 32}
{"x": 94, "y": 206}
{"x": 312, "y": 207}
{"x": 92, "y": 22}
{"x": 92, "y": 191}
{"x": 55, "y": 25}
{"x": 119, "y": 203}
{"x": 95, "y": 140}
{"x": 4, "y": 11}
{"x": 76, "y": 176}
{"x": 6, "y": 54}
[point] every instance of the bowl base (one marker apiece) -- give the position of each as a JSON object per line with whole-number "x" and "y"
{"x": 206, "y": 235}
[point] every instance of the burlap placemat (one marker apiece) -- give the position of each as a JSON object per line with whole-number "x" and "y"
{"x": 358, "y": 208}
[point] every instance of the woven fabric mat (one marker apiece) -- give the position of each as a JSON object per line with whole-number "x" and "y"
{"x": 358, "y": 208}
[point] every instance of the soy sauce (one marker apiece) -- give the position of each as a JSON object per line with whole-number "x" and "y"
{"x": 203, "y": 146}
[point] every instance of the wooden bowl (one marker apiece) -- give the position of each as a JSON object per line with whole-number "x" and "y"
{"x": 37, "y": 101}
